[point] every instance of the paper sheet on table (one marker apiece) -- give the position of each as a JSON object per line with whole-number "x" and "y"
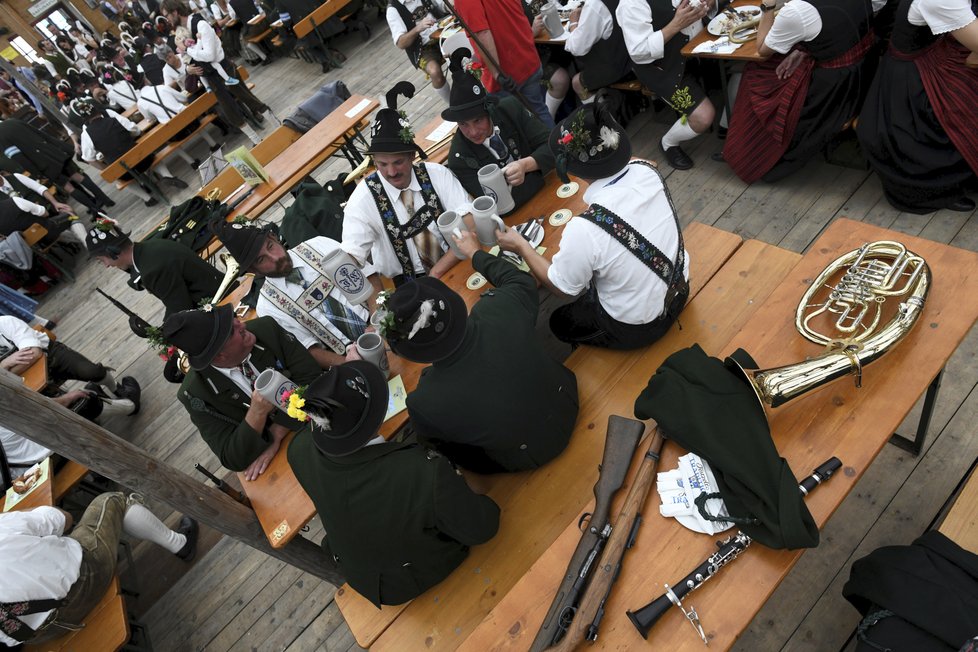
{"x": 12, "y": 497}
{"x": 721, "y": 45}
{"x": 562, "y": 37}
{"x": 440, "y": 131}
{"x": 526, "y": 268}
{"x": 397, "y": 397}
{"x": 360, "y": 106}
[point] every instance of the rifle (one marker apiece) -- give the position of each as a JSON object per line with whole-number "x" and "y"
{"x": 137, "y": 324}
{"x": 224, "y": 486}
{"x": 591, "y": 611}
{"x": 619, "y": 446}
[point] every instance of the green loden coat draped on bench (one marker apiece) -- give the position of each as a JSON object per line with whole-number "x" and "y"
{"x": 522, "y": 133}
{"x": 398, "y": 518}
{"x": 217, "y": 406}
{"x": 498, "y": 403}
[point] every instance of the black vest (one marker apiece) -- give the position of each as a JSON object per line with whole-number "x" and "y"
{"x": 12, "y": 218}
{"x": 152, "y": 68}
{"x": 110, "y": 138}
{"x": 411, "y": 21}
{"x": 909, "y": 38}
{"x": 244, "y": 9}
{"x": 844, "y": 23}
{"x": 610, "y": 51}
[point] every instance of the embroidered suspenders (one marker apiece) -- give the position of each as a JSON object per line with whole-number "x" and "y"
{"x": 398, "y": 233}
{"x": 639, "y": 246}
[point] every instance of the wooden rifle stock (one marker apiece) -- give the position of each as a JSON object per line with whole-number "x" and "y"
{"x": 591, "y": 609}
{"x": 619, "y": 446}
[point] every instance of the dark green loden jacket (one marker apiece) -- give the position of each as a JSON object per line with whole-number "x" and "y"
{"x": 217, "y": 406}
{"x": 398, "y": 518}
{"x": 522, "y": 132}
{"x": 499, "y": 403}
{"x": 41, "y": 154}
{"x": 174, "y": 274}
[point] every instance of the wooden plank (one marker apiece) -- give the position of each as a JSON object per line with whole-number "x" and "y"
{"x": 539, "y": 506}
{"x": 318, "y": 16}
{"x": 106, "y": 627}
{"x": 961, "y": 523}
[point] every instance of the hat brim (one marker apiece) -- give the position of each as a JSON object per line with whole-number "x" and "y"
{"x": 219, "y": 336}
{"x": 449, "y": 342}
{"x": 466, "y": 111}
{"x": 370, "y": 421}
{"x": 592, "y": 168}
{"x": 103, "y": 246}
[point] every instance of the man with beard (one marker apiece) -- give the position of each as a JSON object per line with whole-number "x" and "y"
{"x": 297, "y": 292}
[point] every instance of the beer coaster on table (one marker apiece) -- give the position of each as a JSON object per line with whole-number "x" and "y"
{"x": 561, "y": 217}
{"x": 568, "y": 190}
{"x": 475, "y": 281}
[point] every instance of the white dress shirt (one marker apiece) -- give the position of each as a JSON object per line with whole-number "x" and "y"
{"x": 21, "y": 452}
{"x": 628, "y": 290}
{"x": 37, "y": 562}
{"x": 238, "y": 378}
{"x": 266, "y": 308}
{"x": 798, "y": 21}
{"x": 152, "y": 97}
{"x": 15, "y": 333}
{"x": 178, "y": 75}
{"x": 122, "y": 93}
{"x": 399, "y": 29}
{"x": 29, "y": 206}
{"x": 364, "y": 236}
{"x": 595, "y": 24}
{"x": 207, "y": 48}
{"x": 88, "y": 151}
{"x": 941, "y": 16}
{"x": 644, "y": 41}
{"x": 31, "y": 184}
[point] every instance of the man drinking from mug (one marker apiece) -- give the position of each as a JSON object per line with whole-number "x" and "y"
{"x": 494, "y": 131}
{"x": 298, "y": 292}
{"x": 226, "y": 356}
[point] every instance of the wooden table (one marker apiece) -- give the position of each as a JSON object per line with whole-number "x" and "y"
{"x": 302, "y": 157}
{"x": 853, "y": 424}
{"x": 746, "y": 52}
{"x": 437, "y": 150}
{"x": 153, "y": 140}
{"x": 42, "y": 495}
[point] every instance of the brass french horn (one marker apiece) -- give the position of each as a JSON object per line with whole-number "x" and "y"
{"x": 874, "y": 273}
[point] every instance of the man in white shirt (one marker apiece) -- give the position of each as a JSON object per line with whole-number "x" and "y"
{"x": 51, "y": 581}
{"x": 160, "y": 102}
{"x": 623, "y": 257}
{"x": 597, "y": 44}
{"x": 297, "y": 292}
{"x": 655, "y": 32}
{"x": 390, "y": 219}
{"x": 19, "y": 214}
{"x": 19, "y": 185}
{"x": 412, "y": 24}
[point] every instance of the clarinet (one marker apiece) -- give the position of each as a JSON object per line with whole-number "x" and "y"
{"x": 729, "y": 549}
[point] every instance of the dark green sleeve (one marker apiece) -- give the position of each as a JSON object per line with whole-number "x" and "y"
{"x": 236, "y": 445}
{"x": 538, "y": 136}
{"x": 512, "y": 284}
{"x": 460, "y": 163}
{"x": 303, "y": 368}
{"x": 460, "y": 513}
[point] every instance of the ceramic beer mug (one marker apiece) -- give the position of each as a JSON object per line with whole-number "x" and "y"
{"x": 486, "y": 220}
{"x": 272, "y": 385}
{"x": 493, "y": 181}
{"x": 347, "y": 276}
{"x": 448, "y": 223}
{"x": 371, "y": 348}
{"x": 551, "y": 19}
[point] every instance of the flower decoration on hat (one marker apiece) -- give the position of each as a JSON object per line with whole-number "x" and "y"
{"x": 576, "y": 139}
{"x": 293, "y": 402}
{"x": 154, "y": 334}
{"x": 105, "y": 224}
{"x": 406, "y": 133}
{"x": 474, "y": 68}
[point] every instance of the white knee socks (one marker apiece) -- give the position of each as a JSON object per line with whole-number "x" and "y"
{"x": 109, "y": 382}
{"x": 553, "y": 103}
{"x": 445, "y": 93}
{"x": 141, "y": 523}
{"x": 78, "y": 230}
{"x": 115, "y": 406}
{"x": 677, "y": 134}
{"x": 250, "y": 133}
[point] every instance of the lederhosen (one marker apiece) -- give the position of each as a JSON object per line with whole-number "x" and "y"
{"x": 607, "y": 61}
{"x": 112, "y": 140}
{"x": 669, "y": 272}
{"x": 416, "y": 53}
{"x": 398, "y": 234}
{"x": 12, "y": 626}
{"x": 666, "y": 77}
{"x": 310, "y": 299}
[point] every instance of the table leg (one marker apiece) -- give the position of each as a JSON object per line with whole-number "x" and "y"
{"x": 147, "y": 181}
{"x": 927, "y": 411}
{"x": 724, "y": 88}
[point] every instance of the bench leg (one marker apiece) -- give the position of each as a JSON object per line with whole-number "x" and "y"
{"x": 146, "y": 180}
{"x": 926, "y": 412}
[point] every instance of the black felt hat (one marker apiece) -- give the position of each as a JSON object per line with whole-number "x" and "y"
{"x": 710, "y": 411}
{"x": 392, "y": 133}
{"x": 244, "y": 242}
{"x": 468, "y": 97}
{"x": 589, "y": 143}
{"x": 426, "y": 322}
{"x": 105, "y": 238}
{"x": 346, "y": 405}
{"x": 201, "y": 334}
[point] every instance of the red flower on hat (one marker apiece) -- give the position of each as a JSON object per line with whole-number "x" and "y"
{"x": 566, "y": 138}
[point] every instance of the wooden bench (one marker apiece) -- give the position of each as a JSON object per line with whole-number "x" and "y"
{"x": 67, "y": 478}
{"x": 538, "y": 506}
{"x": 960, "y": 522}
{"x": 106, "y": 628}
{"x": 633, "y": 86}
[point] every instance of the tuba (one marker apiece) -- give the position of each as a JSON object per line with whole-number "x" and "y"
{"x": 854, "y": 307}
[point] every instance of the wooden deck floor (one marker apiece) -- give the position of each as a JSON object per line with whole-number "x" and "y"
{"x": 236, "y": 598}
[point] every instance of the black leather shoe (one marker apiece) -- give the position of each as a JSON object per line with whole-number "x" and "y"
{"x": 963, "y": 205}
{"x": 677, "y": 157}
{"x": 718, "y": 157}
{"x": 152, "y": 201}
{"x": 189, "y": 528}
{"x": 265, "y": 61}
{"x": 129, "y": 388}
{"x": 722, "y": 133}
{"x": 175, "y": 182}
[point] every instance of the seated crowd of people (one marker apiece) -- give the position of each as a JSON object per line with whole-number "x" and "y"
{"x": 400, "y": 515}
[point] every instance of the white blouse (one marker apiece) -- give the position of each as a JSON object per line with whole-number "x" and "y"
{"x": 799, "y": 21}
{"x": 941, "y": 16}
